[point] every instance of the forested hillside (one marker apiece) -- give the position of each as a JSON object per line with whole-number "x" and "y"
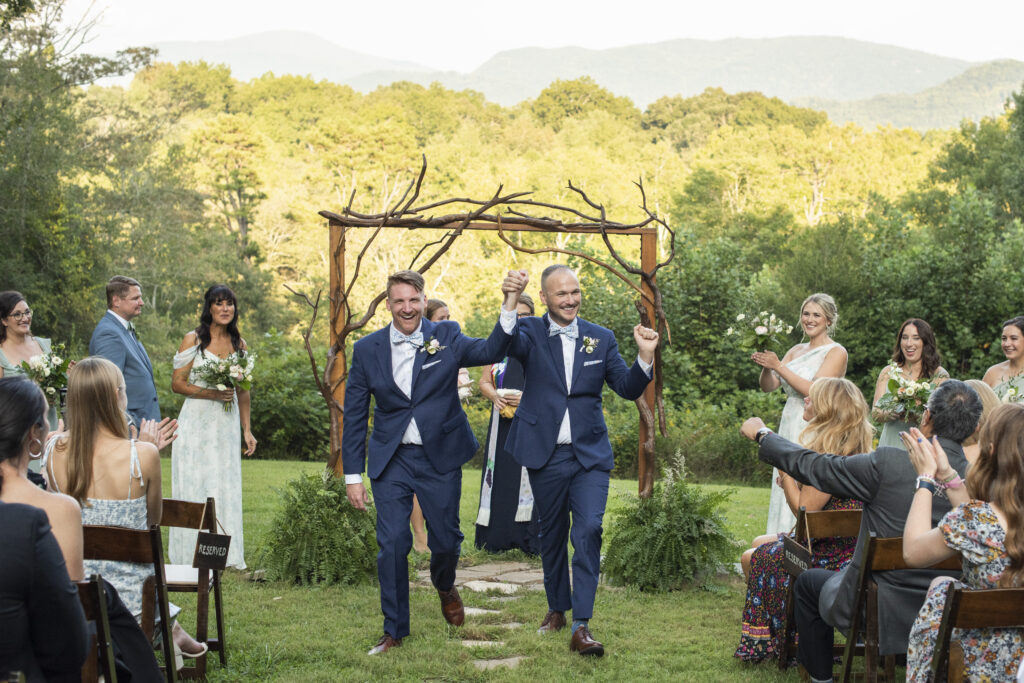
{"x": 188, "y": 177}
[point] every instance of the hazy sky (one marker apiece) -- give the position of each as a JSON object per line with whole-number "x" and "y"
{"x": 461, "y": 34}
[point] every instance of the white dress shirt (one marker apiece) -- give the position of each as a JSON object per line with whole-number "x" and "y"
{"x": 568, "y": 358}
{"x": 403, "y": 357}
{"x": 124, "y": 323}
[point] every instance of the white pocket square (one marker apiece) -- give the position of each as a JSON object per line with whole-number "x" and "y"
{"x": 592, "y": 362}
{"x": 427, "y": 365}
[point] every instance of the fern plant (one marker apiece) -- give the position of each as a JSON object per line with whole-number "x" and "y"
{"x": 674, "y": 538}
{"x": 317, "y": 537}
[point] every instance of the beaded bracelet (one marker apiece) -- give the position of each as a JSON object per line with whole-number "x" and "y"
{"x": 927, "y": 483}
{"x": 954, "y": 483}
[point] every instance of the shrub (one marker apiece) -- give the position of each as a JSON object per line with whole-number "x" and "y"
{"x": 674, "y": 538}
{"x": 317, "y": 537}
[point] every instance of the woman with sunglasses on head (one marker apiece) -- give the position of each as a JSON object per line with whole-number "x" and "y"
{"x": 17, "y": 343}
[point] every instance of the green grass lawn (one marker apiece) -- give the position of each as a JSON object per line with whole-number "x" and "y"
{"x": 281, "y": 632}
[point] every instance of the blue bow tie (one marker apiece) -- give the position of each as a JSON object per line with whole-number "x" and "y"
{"x": 416, "y": 338}
{"x": 572, "y": 331}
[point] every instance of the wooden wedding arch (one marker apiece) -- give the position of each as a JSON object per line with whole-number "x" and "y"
{"x": 484, "y": 216}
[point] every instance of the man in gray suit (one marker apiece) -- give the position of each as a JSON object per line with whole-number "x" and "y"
{"x": 114, "y": 338}
{"x": 885, "y": 481}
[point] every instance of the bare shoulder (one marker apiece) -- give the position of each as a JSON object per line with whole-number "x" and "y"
{"x": 149, "y": 456}
{"x": 191, "y": 339}
{"x": 995, "y": 373}
{"x": 245, "y": 347}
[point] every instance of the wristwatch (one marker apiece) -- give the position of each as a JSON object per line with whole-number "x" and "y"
{"x": 760, "y": 434}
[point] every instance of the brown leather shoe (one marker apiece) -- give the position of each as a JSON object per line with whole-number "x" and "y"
{"x": 385, "y": 643}
{"x": 584, "y": 643}
{"x": 553, "y": 621}
{"x": 451, "y": 606}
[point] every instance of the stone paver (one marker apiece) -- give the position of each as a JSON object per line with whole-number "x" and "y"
{"x": 483, "y": 586}
{"x": 477, "y": 611}
{"x": 522, "y": 576}
{"x": 482, "y": 643}
{"x": 488, "y": 664}
{"x": 512, "y": 625}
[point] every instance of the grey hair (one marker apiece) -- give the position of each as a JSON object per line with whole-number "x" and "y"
{"x": 955, "y": 408}
{"x": 828, "y": 307}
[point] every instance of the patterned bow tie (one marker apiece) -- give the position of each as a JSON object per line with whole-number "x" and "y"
{"x": 572, "y": 331}
{"x": 416, "y": 338}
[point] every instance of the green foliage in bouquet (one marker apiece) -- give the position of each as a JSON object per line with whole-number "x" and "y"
{"x": 317, "y": 537}
{"x": 676, "y": 537}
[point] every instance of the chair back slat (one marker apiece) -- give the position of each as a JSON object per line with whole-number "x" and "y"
{"x": 116, "y": 543}
{"x": 183, "y": 513}
{"x": 830, "y": 523}
{"x": 991, "y": 608}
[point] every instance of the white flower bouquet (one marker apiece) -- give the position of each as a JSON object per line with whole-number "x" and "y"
{"x": 1012, "y": 391}
{"x": 906, "y": 398}
{"x": 50, "y": 372}
{"x": 760, "y": 331}
{"x": 233, "y": 371}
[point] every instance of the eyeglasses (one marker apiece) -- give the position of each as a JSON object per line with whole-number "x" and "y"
{"x": 27, "y": 313}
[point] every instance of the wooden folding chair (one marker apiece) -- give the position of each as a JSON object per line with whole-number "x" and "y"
{"x": 185, "y": 578}
{"x": 145, "y": 547}
{"x": 797, "y": 557}
{"x": 965, "y": 608}
{"x": 100, "y": 661}
{"x": 878, "y": 555}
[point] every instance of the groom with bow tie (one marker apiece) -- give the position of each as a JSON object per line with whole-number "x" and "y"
{"x": 559, "y": 435}
{"x": 421, "y": 438}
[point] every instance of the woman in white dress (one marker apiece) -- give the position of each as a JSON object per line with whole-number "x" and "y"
{"x": 819, "y": 356}
{"x": 1006, "y": 378}
{"x": 205, "y": 458}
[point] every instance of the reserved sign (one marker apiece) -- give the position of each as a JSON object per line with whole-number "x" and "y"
{"x": 211, "y": 551}
{"x": 795, "y": 558}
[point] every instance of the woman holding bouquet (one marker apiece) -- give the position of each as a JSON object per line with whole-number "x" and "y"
{"x": 914, "y": 359}
{"x": 17, "y": 345}
{"x": 506, "y": 517}
{"x": 819, "y": 356}
{"x": 1007, "y": 378}
{"x": 213, "y": 422}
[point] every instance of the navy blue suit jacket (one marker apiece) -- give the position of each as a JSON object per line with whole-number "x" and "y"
{"x": 534, "y": 432}
{"x": 447, "y": 437}
{"x": 111, "y": 340}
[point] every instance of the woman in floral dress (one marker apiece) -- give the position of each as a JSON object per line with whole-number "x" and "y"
{"x": 838, "y": 423}
{"x": 985, "y": 528}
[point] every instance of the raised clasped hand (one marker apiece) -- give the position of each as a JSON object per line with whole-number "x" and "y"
{"x": 515, "y": 282}
{"x": 646, "y": 342}
{"x": 766, "y": 359}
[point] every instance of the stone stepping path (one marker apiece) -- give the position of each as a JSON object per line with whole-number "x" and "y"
{"x": 488, "y": 664}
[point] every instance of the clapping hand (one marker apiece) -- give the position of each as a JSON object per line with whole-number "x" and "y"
{"x": 927, "y": 456}
{"x": 646, "y": 342}
{"x": 766, "y": 359}
{"x": 160, "y": 434}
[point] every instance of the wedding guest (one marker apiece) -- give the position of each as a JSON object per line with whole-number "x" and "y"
{"x": 18, "y": 344}
{"x": 214, "y": 426}
{"x": 41, "y": 619}
{"x": 819, "y": 356}
{"x": 505, "y": 517}
{"x": 884, "y": 481}
{"x": 1005, "y": 378}
{"x": 984, "y": 527}
{"x": 116, "y": 340}
{"x": 97, "y": 463}
{"x": 133, "y": 652}
{"x": 989, "y": 401}
{"x": 917, "y": 356}
{"x": 837, "y": 422}
{"x": 559, "y": 434}
{"x": 421, "y": 438}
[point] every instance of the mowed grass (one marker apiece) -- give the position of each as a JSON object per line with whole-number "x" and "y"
{"x": 281, "y": 632}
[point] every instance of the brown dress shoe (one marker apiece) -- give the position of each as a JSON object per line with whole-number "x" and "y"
{"x": 584, "y": 643}
{"x": 451, "y": 606}
{"x": 553, "y": 621}
{"x": 385, "y": 643}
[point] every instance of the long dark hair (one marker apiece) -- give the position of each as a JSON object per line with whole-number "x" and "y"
{"x": 22, "y": 407}
{"x": 8, "y": 300}
{"x": 930, "y": 360}
{"x": 212, "y": 296}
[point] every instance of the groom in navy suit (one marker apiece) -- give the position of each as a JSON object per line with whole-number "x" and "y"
{"x": 559, "y": 435}
{"x": 421, "y": 438}
{"x": 114, "y": 338}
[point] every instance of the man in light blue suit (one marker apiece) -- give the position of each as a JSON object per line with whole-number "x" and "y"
{"x": 559, "y": 435}
{"x": 115, "y": 339}
{"x": 420, "y": 440}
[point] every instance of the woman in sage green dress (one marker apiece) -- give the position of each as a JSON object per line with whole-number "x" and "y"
{"x": 17, "y": 344}
{"x": 917, "y": 356}
{"x": 1007, "y": 378}
{"x": 819, "y": 356}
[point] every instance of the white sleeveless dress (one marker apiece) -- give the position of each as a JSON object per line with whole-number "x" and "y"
{"x": 780, "y": 517}
{"x": 206, "y": 460}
